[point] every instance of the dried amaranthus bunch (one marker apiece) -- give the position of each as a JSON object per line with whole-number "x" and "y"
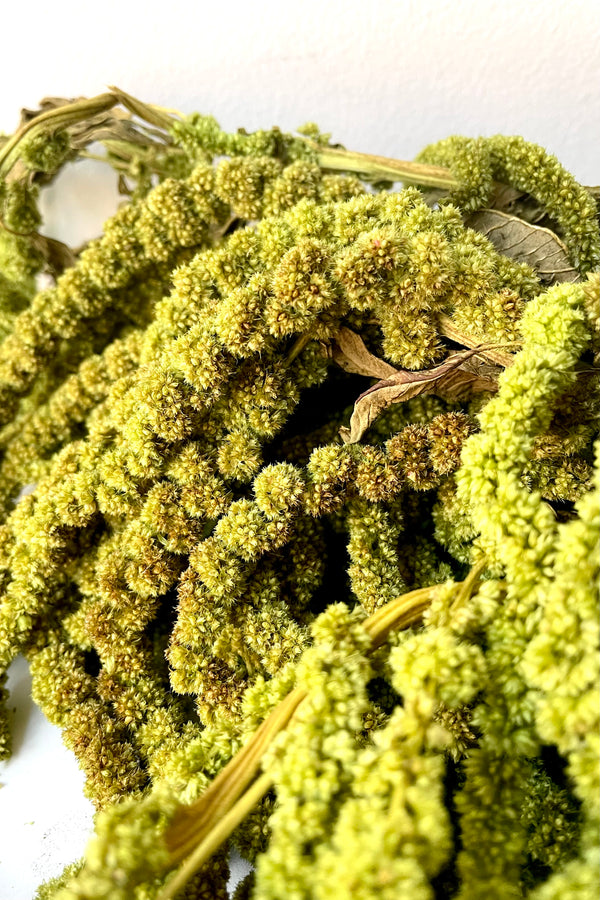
{"x": 310, "y": 567}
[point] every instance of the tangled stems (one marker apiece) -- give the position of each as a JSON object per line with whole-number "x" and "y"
{"x": 58, "y": 118}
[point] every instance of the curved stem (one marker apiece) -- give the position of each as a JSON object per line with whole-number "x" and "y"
{"x": 193, "y": 823}
{"x": 470, "y": 585}
{"x": 398, "y": 613}
{"x": 200, "y": 829}
{"x": 78, "y": 111}
{"x": 53, "y": 119}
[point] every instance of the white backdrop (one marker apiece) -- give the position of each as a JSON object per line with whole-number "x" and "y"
{"x": 384, "y": 77}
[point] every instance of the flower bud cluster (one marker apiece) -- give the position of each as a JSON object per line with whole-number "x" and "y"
{"x": 477, "y": 163}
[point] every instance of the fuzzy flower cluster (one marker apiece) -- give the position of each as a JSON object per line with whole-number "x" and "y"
{"x": 201, "y": 542}
{"x": 478, "y": 162}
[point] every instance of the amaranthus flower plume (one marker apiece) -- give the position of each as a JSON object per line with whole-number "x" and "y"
{"x": 309, "y": 563}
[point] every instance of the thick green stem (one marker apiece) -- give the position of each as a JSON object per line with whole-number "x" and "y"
{"x": 383, "y": 168}
{"x": 199, "y": 830}
{"x": 193, "y": 823}
{"x": 79, "y": 111}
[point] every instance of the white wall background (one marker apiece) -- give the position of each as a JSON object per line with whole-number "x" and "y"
{"x": 384, "y": 76}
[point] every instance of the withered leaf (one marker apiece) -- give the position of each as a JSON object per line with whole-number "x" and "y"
{"x": 108, "y": 124}
{"x": 523, "y": 242}
{"x": 58, "y": 256}
{"x": 509, "y": 200}
{"x": 454, "y": 379}
{"x": 114, "y": 125}
{"x": 350, "y": 353}
{"x": 145, "y": 111}
{"x": 46, "y": 104}
{"x": 482, "y": 369}
{"x": 494, "y": 353}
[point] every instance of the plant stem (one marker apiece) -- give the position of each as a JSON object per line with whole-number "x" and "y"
{"x": 146, "y": 111}
{"x": 449, "y": 330}
{"x": 198, "y": 830}
{"x": 470, "y": 585}
{"x": 78, "y": 111}
{"x": 383, "y": 168}
{"x": 217, "y": 836}
{"x": 297, "y": 348}
{"x": 195, "y": 822}
{"x": 398, "y": 613}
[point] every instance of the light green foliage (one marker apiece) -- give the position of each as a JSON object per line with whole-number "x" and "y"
{"x": 562, "y": 664}
{"x": 523, "y": 545}
{"x": 373, "y": 535}
{"x": 201, "y": 541}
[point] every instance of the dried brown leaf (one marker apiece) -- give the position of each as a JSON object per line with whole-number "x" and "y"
{"x": 58, "y": 256}
{"x": 538, "y": 247}
{"x": 114, "y": 124}
{"x": 494, "y": 354}
{"x": 350, "y": 353}
{"x": 46, "y": 104}
{"x": 452, "y": 379}
{"x": 509, "y": 200}
{"x": 482, "y": 368}
{"x": 146, "y": 111}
